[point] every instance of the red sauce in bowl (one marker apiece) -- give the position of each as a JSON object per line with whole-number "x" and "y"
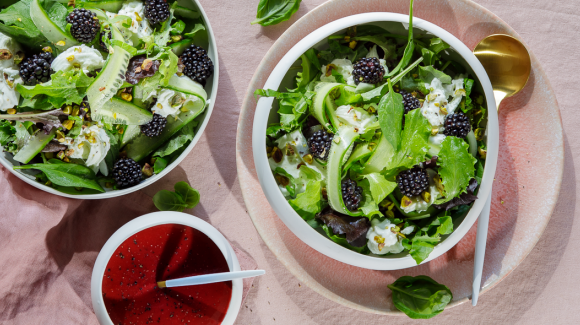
{"x": 161, "y": 253}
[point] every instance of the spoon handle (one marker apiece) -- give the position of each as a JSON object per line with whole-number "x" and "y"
{"x": 480, "y": 242}
{"x": 210, "y": 278}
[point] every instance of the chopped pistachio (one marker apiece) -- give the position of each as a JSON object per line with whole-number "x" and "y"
{"x": 176, "y": 38}
{"x": 147, "y": 64}
{"x": 439, "y": 184}
{"x": 426, "y": 196}
{"x": 379, "y": 239}
{"x": 431, "y": 97}
{"x": 60, "y": 155}
{"x": 75, "y": 112}
{"x": 308, "y": 158}
{"x": 11, "y": 111}
{"x": 406, "y": 201}
{"x": 59, "y": 134}
{"x": 137, "y": 17}
{"x": 69, "y": 152}
{"x": 47, "y": 49}
{"x": 147, "y": 170}
{"x": 61, "y": 43}
{"x": 282, "y": 180}
{"x": 5, "y": 54}
{"x": 324, "y": 193}
{"x": 126, "y": 97}
{"x": 352, "y": 44}
{"x": 482, "y": 153}
{"x": 434, "y": 131}
{"x": 390, "y": 214}
{"x": 443, "y": 110}
{"x": 70, "y": 58}
{"x": 277, "y": 154}
{"x": 479, "y": 133}
{"x": 68, "y": 124}
{"x": 67, "y": 109}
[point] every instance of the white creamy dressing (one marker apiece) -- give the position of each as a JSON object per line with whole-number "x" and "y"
{"x": 136, "y": 11}
{"x": 344, "y": 67}
{"x": 290, "y": 164}
{"x": 86, "y": 58}
{"x": 92, "y": 146}
{"x": 356, "y": 117}
{"x": 382, "y": 240}
{"x": 170, "y": 102}
{"x": 9, "y": 74}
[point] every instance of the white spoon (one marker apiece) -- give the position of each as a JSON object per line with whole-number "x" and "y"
{"x": 209, "y": 278}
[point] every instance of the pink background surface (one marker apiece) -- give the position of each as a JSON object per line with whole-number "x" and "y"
{"x": 49, "y": 244}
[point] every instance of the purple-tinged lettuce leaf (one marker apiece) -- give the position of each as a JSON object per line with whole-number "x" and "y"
{"x": 49, "y": 119}
{"x": 353, "y": 228}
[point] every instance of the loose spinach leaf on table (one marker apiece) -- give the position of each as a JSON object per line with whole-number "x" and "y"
{"x": 66, "y": 174}
{"x": 420, "y": 297}
{"x": 184, "y": 197}
{"x": 272, "y": 12}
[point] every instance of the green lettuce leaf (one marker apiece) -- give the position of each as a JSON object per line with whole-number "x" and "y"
{"x": 456, "y": 167}
{"x": 414, "y": 142}
{"x": 308, "y": 203}
{"x": 177, "y": 141}
{"x": 16, "y": 23}
{"x": 64, "y": 88}
{"x": 379, "y": 186}
{"x": 428, "y": 73}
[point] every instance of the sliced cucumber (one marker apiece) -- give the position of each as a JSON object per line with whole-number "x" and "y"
{"x": 111, "y": 78}
{"x": 187, "y": 86}
{"x": 119, "y": 111}
{"x": 472, "y": 143}
{"x": 360, "y": 152}
{"x": 341, "y": 144}
{"x": 34, "y": 146}
{"x": 320, "y": 161}
{"x": 131, "y": 132}
{"x": 49, "y": 29}
{"x": 142, "y": 146}
{"x": 380, "y": 157}
{"x": 186, "y": 12}
{"x": 330, "y": 108}
{"x": 138, "y": 97}
{"x": 180, "y": 46}
{"x": 317, "y": 109}
{"x": 108, "y": 5}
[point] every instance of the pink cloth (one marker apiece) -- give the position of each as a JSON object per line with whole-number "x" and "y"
{"x": 48, "y": 244}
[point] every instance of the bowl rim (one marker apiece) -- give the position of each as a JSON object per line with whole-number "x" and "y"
{"x": 283, "y": 209}
{"x": 154, "y": 219}
{"x": 199, "y": 132}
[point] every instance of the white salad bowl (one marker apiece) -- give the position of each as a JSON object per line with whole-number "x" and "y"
{"x": 211, "y": 88}
{"x": 155, "y": 219}
{"x": 281, "y": 77}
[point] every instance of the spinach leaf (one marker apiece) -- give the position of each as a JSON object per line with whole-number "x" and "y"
{"x": 414, "y": 142}
{"x": 18, "y": 24}
{"x": 7, "y": 132}
{"x": 113, "y": 152}
{"x": 428, "y": 73}
{"x": 66, "y": 174}
{"x": 408, "y": 53}
{"x": 64, "y": 88}
{"x": 184, "y": 197}
{"x": 159, "y": 165}
{"x": 391, "y": 116}
{"x": 468, "y": 104}
{"x": 420, "y": 297}
{"x": 456, "y": 167}
{"x": 272, "y": 12}
{"x": 179, "y": 140}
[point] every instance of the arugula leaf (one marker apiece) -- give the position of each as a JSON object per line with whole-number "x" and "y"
{"x": 468, "y": 105}
{"x": 19, "y": 25}
{"x": 414, "y": 142}
{"x": 456, "y": 167}
{"x": 388, "y": 47}
{"x": 420, "y": 297}
{"x": 437, "y": 45}
{"x": 66, "y": 174}
{"x": 272, "y": 12}
{"x": 159, "y": 165}
{"x": 7, "y": 132}
{"x": 184, "y": 197}
{"x": 196, "y": 28}
{"x": 308, "y": 203}
{"x": 64, "y": 88}
{"x": 391, "y": 116}
{"x": 48, "y": 118}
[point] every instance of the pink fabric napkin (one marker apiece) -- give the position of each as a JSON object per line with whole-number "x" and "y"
{"x": 48, "y": 246}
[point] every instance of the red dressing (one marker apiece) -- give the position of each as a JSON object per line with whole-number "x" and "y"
{"x": 161, "y": 253}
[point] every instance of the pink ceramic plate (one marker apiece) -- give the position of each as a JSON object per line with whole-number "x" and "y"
{"x": 528, "y": 177}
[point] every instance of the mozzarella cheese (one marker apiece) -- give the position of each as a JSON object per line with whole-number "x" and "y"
{"x": 83, "y": 57}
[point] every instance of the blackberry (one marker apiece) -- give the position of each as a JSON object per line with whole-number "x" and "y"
{"x": 368, "y": 70}
{"x": 457, "y": 125}
{"x": 108, "y": 36}
{"x": 413, "y": 182}
{"x": 154, "y": 128}
{"x": 156, "y": 11}
{"x": 36, "y": 69}
{"x": 410, "y": 102}
{"x": 126, "y": 172}
{"x": 319, "y": 144}
{"x": 198, "y": 66}
{"x": 85, "y": 25}
{"x": 351, "y": 194}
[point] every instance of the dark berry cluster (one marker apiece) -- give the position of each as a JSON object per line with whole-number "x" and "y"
{"x": 413, "y": 182}
{"x": 319, "y": 144}
{"x": 85, "y": 25}
{"x": 351, "y": 194}
{"x": 457, "y": 125}
{"x": 154, "y": 128}
{"x": 197, "y": 65}
{"x": 126, "y": 172}
{"x": 368, "y": 70}
{"x": 410, "y": 102}
{"x": 36, "y": 69}
{"x": 156, "y": 11}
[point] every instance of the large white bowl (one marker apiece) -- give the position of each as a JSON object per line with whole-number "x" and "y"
{"x": 211, "y": 88}
{"x": 265, "y": 115}
{"x": 148, "y": 221}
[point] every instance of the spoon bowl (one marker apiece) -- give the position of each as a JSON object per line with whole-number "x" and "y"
{"x": 507, "y": 63}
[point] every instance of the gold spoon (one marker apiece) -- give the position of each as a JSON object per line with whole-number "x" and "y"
{"x": 507, "y": 63}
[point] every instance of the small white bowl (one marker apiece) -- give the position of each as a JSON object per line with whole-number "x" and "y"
{"x": 265, "y": 115}
{"x": 211, "y": 88}
{"x": 155, "y": 219}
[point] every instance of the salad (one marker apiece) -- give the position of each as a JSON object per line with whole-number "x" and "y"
{"x": 380, "y": 143}
{"x": 99, "y": 95}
